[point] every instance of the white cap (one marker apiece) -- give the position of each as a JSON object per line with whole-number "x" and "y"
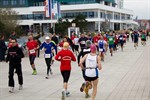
{"x": 47, "y": 38}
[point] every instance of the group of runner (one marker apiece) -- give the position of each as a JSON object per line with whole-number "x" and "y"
{"x": 93, "y": 51}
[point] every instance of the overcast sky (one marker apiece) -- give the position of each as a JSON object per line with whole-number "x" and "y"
{"x": 141, "y": 8}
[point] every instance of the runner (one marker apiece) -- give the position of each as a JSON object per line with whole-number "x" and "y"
{"x": 76, "y": 44}
{"x": 102, "y": 45}
{"x": 48, "y": 46}
{"x": 82, "y": 41}
{"x": 135, "y": 39}
{"x": 111, "y": 43}
{"x": 14, "y": 57}
{"x": 84, "y": 52}
{"x": 65, "y": 56}
{"x": 92, "y": 62}
{"x": 143, "y": 38}
{"x": 32, "y": 47}
{"x": 121, "y": 41}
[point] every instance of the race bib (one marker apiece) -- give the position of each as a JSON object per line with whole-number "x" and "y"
{"x": 82, "y": 42}
{"x": 110, "y": 39}
{"x": 121, "y": 38}
{"x": 100, "y": 49}
{"x": 32, "y": 51}
{"x": 47, "y": 55}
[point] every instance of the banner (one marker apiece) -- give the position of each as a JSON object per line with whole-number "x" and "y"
{"x": 52, "y": 9}
{"x": 48, "y": 8}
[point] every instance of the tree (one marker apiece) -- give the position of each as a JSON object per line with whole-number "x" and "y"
{"x": 8, "y": 20}
{"x": 62, "y": 27}
{"x": 81, "y": 22}
{"x": 105, "y": 26}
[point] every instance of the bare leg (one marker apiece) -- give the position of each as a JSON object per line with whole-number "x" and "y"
{"x": 95, "y": 83}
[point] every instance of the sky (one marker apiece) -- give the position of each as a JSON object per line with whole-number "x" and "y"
{"x": 141, "y": 8}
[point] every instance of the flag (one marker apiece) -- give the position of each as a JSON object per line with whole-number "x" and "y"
{"x": 56, "y": 10}
{"x": 48, "y": 8}
{"x": 52, "y": 9}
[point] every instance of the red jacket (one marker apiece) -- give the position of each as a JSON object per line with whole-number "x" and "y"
{"x": 65, "y": 57}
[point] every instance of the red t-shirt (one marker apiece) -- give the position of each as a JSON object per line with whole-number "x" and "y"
{"x": 31, "y": 47}
{"x": 95, "y": 39}
{"x": 61, "y": 44}
{"x": 65, "y": 57}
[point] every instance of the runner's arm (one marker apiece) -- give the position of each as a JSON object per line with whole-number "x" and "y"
{"x": 99, "y": 62}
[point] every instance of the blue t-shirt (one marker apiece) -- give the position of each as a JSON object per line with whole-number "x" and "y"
{"x": 48, "y": 47}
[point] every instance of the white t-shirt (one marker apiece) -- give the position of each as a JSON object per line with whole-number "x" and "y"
{"x": 76, "y": 41}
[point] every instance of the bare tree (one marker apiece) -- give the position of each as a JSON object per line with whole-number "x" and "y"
{"x": 9, "y": 19}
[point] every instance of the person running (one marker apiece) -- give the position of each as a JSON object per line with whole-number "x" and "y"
{"x": 84, "y": 52}
{"x": 135, "y": 39}
{"x": 14, "y": 57}
{"x": 63, "y": 41}
{"x": 121, "y": 40}
{"x": 32, "y": 47}
{"x": 102, "y": 45}
{"x": 65, "y": 56}
{"x": 76, "y": 44}
{"x": 93, "y": 63}
{"x": 111, "y": 43}
{"x": 143, "y": 38}
{"x": 48, "y": 46}
{"x": 82, "y": 41}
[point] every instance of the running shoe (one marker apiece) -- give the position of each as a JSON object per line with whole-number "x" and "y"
{"x": 87, "y": 95}
{"x": 20, "y": 87}
{"x": 82, "y": 87}
{"x": 67, "y": 94}
{"x": 47, "y": 77}
{"x": 34, "y": 72}
{"x": 11, "y": 90}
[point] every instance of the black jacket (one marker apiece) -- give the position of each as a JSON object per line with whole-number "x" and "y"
{"x": 55, "y": 39}
{"x": 3, "y": 45}
{"x": 14, "y": 55}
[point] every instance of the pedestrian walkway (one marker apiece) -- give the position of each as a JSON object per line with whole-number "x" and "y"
{"x": 125, "y": 76}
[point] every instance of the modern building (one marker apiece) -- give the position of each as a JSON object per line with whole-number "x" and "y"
{"x": 97, "y": 12}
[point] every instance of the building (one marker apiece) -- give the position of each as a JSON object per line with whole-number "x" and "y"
{"x": 97, "y": 12}
{"x": 144, "y": 24}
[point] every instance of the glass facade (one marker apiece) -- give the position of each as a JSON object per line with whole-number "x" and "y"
{"x": 13, "y": 3}
{"x": 5, "y": 2}
{"x": 90, "y": 14}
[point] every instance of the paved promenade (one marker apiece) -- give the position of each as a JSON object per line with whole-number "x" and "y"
{"x": 125, "y": 76}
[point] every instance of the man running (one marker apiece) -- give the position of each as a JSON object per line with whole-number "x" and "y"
{"x": 121, "y": 40}
{"x": 82, "y": 41}
{"x": 102, "y": 45}
{"x": 135, "y": 39}
{"x": 48, "y": 46}
{"x": 32, "y": 47}
{"x": 111, "y": 43}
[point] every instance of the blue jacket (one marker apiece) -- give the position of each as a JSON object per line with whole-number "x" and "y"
{"x": 49, "y": 47}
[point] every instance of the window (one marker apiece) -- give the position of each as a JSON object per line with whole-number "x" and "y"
{"x": 5, "y": 2}
{"x": 91, "y": 14}
{"x": 13, "y": 2}
{"x": 22, "y": 2}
